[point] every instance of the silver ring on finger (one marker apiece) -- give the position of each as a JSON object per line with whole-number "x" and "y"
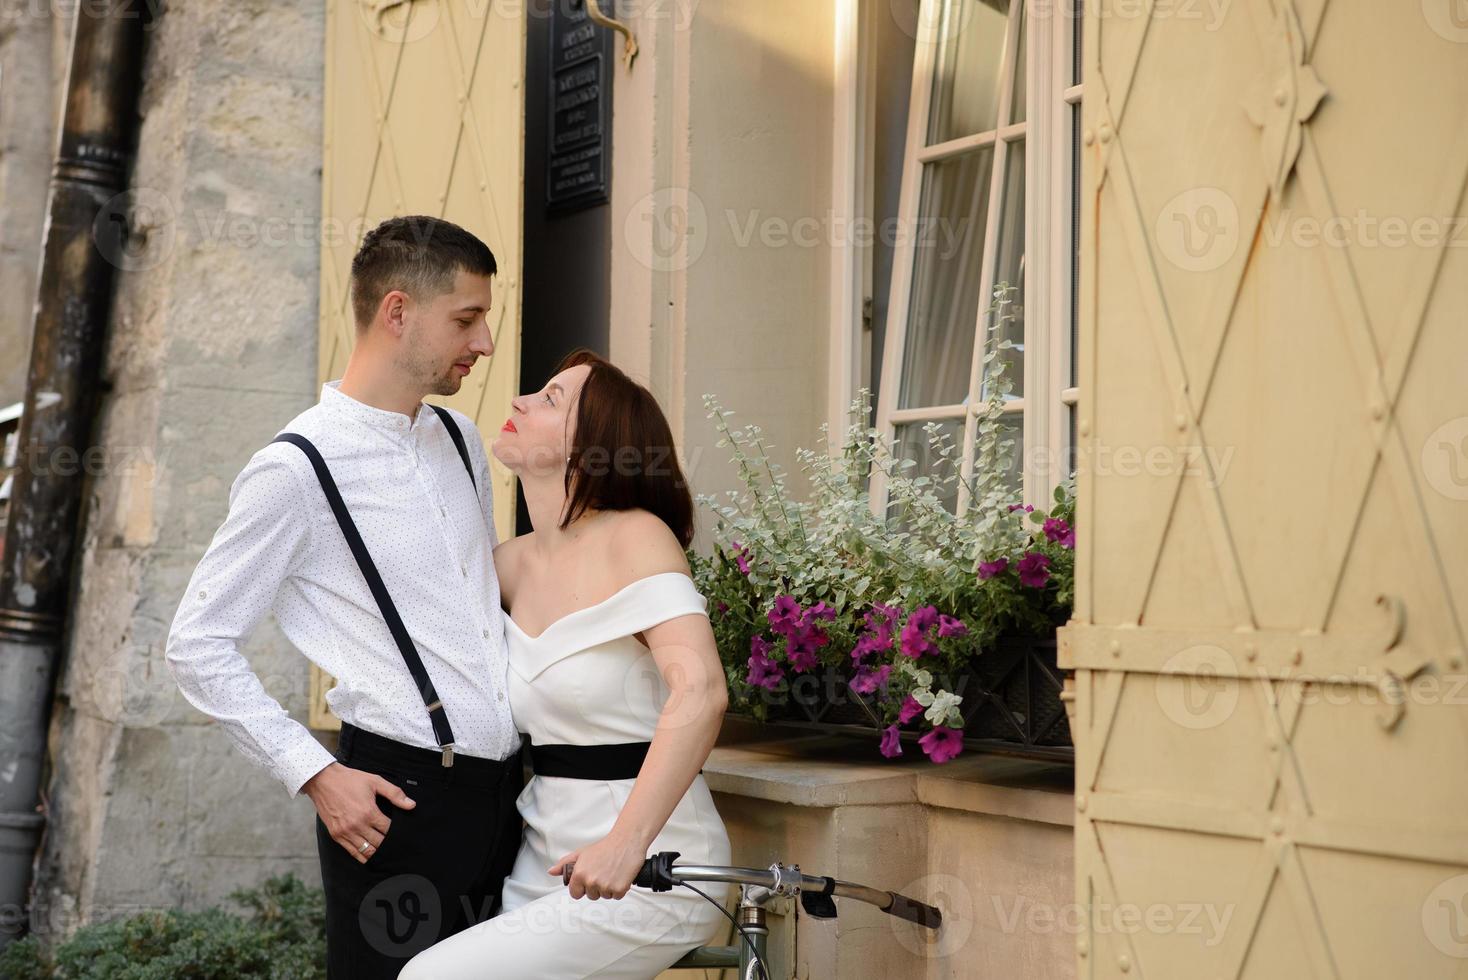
{"x": 364, "y": 847}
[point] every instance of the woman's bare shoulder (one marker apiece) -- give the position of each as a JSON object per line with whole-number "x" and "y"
{"x": 640, "y": 545}
{"x": 508, "y": 556}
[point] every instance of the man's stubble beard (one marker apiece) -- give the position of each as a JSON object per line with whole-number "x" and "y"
{"x": 423, "y": 372}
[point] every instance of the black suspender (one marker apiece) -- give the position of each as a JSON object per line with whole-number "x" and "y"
{"x": 458, "y": 437}
{"x": 436, "y": 714}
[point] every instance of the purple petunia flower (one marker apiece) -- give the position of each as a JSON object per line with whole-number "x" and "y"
{"x": 891, "y": 743}
{"x": 988, "y": 569}
{"x": 785, "y": 616}
{"x": 910, "y": 709}
{"x": 882, "y": 617}
{"x": 1027, "y": 508}
{"x": 1059, "y": 531}
{"x": 723, "y": 607}
{"x": 806, "y": 638}
{"x": 868, "y": 679}
{"x": 942, "y": 743}
{"x": 801, "y": 647}
{"x": 765, "y": 673}
{"x": 1034, "y": 569}
{"x": 741, "y": 558}
{"x": 820, "y": 611}
{"x": 950, "y": 626}
{"x": 915, "y": 640}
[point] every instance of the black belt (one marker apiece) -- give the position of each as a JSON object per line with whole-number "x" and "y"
{"x": 619, "y": 760}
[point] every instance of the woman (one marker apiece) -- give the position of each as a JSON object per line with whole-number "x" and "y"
{"x": 615, "y": 684}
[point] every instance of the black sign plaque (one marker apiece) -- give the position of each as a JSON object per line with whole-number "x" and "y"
{"x": 579, "y": 130}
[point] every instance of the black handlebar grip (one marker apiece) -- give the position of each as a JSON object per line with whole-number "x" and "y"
{"x": 657, "y": 872}
{"x": 905, "y": 908}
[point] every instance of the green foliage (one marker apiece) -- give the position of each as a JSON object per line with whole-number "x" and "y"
{"x": 281, "y": 936}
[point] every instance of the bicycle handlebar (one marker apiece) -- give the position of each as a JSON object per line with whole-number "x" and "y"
{"x": 659, "y": 874}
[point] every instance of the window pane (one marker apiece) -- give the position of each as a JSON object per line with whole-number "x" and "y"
{"x": 911, "y": 442}
{"x": 948, "y": 248}
{"x": 1076, "y": 15}
{"x": 1021, "y": 60}
{"x": 965, "y": 97}
{"x": 892, "y": 95}
{"x": 1074, "y": 250}
{"x": 1011, "y": 265}
{"x": 1070, "y": 442}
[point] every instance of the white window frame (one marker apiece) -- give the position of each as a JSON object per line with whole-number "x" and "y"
{"x": 1048, "y": 129}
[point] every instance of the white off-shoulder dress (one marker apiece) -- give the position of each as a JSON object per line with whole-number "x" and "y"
{"x": 587, "y": 680}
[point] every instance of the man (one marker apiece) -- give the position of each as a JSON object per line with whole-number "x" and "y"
{"x": 416, "y": 821}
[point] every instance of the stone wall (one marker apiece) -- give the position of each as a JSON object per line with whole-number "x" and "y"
{"x": 213, "y": 348}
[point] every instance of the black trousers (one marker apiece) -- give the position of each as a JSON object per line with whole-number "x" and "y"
{"x": 440, "y": 867}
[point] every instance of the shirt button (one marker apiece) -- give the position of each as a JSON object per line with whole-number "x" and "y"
{"x": 464, "y": 570}
{"x": 203, "y": 594}
{"x": 500, "y": 696}
{"x": 443, "y": 510}
{"x": 486, "y": 633}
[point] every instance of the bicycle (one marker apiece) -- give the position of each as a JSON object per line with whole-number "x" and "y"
{"x": 817, "y": 894}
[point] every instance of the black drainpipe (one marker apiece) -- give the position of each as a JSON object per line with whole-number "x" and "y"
{"x": 84, "y": 243}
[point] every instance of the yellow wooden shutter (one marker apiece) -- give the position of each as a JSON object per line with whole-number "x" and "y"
{"x": 1271, "y": 585}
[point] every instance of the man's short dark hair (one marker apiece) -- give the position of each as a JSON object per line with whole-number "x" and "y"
{"x": 416, "y": 253}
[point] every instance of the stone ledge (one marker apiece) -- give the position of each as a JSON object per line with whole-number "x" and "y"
{"x": 830, "y": 771}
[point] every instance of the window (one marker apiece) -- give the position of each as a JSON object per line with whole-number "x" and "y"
{"x": 989, "y": 194}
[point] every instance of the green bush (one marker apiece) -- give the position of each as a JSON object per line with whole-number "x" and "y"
{"x": 281, "y": 936}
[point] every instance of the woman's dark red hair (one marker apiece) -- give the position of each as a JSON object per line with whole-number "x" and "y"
{"x": 622, "y": 454}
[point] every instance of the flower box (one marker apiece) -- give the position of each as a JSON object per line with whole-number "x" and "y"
{"x": 1011, "y": 702}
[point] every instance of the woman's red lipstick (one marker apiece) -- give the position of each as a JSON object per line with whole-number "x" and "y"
{"x": 509, "y": 426}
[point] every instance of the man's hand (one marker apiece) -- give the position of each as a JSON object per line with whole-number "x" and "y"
{"x": 346, "y": 800}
